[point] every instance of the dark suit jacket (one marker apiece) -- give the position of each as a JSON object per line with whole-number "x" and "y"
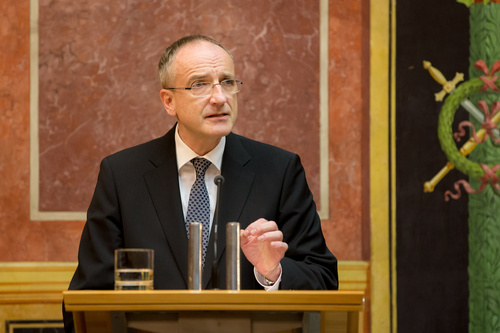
{"x": 137, "y": 204}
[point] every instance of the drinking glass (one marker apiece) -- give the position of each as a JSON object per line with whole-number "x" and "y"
{"x": 134, "y": 269}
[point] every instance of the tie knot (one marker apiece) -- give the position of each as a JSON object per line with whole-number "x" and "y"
{"x": 200, "y": 165}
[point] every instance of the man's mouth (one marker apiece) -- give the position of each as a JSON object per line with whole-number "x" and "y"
{"x": 218, "y": 115}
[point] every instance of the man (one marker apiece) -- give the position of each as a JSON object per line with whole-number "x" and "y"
{"x": 142, "y": 197}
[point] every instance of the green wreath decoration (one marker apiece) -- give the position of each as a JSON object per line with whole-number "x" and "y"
{"x": 445, "y": 130}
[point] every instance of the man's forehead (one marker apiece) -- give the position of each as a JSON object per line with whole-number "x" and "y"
{"x": 202, "y": 55}
{"x": 200, "y": 46}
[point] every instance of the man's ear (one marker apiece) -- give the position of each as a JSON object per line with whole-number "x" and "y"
{"x": 167, "y": 99}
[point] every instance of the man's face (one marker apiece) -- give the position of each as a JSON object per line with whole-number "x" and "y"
{"x": 202, "y": 121}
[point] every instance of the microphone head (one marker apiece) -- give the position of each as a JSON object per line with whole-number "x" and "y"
{"x": 219, "y": 180}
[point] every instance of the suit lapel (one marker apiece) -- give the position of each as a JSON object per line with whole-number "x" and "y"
{"x": 238, "y": 179}
{"x": 163, "y": 185}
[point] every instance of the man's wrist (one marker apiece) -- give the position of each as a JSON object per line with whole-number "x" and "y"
{"x": 273, "y": 276}
{"x": 269, "y": 282}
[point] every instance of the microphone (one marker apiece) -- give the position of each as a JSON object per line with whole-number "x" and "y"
{"x": 218, "y": 180}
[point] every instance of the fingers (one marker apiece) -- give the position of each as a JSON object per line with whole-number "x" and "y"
{"x": 270, "y": 236}
{"x": 262, "y": 244}
{"x": 280, "y": 245}
{"x": 263, "y": 227}
{"x": 264, "y": 231}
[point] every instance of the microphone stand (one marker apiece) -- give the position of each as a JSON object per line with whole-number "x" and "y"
{"x": 218, "y": 180}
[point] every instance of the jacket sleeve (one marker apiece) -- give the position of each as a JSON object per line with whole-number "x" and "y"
{"x": 308, "y": 264}
{"x": 101, "y": 235}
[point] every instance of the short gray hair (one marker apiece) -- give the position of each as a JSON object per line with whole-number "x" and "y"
{"x": 165, "y": 71}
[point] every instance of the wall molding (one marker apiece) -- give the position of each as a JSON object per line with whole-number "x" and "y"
{"x": 382, "y": 161}
{"x": 22, "y": 282}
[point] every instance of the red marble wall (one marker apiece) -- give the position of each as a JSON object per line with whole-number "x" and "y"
{"x": 20, "y": 238}
{"x": 348, "y": 228}
{"x": 99, "y": 93}
{"x": 99, "y": 90}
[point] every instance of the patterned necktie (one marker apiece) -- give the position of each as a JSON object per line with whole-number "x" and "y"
{"x": 199, "y": 202}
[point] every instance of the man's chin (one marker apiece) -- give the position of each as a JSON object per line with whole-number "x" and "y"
{"x": 221, "y": 129}
{"x": 220, "y": 134}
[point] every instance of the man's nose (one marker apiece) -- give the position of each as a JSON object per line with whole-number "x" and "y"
{"x": 218, "y": 95}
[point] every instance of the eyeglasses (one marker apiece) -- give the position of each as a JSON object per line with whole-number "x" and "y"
{"x": 203, "y": 89}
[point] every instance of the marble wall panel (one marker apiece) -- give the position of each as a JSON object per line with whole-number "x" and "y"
{"x": 99, "y": 90}
{"x": 347, "y": 112}
{"x": 14, "y": 124}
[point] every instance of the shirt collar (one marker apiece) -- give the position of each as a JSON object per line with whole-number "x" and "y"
{"x": 185, "y": 154}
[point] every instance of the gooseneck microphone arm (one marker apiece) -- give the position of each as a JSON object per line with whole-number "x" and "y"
{"x": 218, "y": 180}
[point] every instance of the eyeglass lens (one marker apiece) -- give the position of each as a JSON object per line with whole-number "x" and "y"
{"x": 228, "y": 86}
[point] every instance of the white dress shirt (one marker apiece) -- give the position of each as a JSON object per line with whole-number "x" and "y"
{"x": 187, "y": 176}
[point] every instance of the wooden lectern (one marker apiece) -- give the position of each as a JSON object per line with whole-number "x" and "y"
{"x": 211, "y": 310}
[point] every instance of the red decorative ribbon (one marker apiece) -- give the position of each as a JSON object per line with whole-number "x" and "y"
{"x": 489, "y": 177}
{"x": 488, "y": 124}
{"x": 489, "y": 79}
{"x": 461, "y": 131}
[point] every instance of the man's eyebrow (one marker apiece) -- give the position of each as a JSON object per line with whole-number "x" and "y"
{"x": 228, "y": 76}
{"x": 223, "y": 76}
{"x": 197, "y": 77}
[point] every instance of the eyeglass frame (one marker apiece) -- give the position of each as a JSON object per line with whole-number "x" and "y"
{"x": 238, "y": 84}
